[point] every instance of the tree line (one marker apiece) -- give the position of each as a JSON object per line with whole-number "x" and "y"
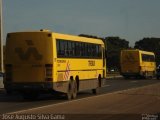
{"x": 115, "y": 44}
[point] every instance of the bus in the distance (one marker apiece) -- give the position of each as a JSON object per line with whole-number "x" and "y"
{"x": 52, "y": 62}
{"x": 137, "y": 63}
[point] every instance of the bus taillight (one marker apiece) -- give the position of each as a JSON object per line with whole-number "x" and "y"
{"x": 49, "y": 72}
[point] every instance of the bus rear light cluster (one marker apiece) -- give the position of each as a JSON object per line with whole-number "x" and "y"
{"x": 49, "y": 72}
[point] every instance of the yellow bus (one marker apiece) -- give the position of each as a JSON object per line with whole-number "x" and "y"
{"x": 137, "y": 63}
{"x": 53, "y": 62}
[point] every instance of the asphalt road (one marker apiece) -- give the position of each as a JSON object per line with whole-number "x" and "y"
{"x": 15, "y": 102}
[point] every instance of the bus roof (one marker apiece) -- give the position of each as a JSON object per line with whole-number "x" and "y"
{"x": 65, "y": 36}
{"x": 141, "y": 51}
{"x": 77, "y": 38}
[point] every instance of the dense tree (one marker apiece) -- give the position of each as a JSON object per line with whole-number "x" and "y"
{"x": 114, "y": 46}
{"x": 150, "y": 44}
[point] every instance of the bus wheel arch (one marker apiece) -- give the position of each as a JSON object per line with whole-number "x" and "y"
{"x": 71, "y": 89}
{"x": 74, "y": 89}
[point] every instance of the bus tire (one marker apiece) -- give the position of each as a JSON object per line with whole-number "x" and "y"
{"x": 69, "y": 91}
{"x": 74, "y": 89}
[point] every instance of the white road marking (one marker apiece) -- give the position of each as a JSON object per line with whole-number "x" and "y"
{"x": 57, "y": 104}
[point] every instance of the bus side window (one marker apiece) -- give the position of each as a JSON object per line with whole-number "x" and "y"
{"x": 148, "y": 58}
{"x": 58, "y": 47}
{"x": 93, "y": 51}
{"x": 78, "y": 49}
{"x": 97, "y": 50}
{"x": 100, "y": 51}
{"x": 86, "y": 50}
{"x": 62, "y": 49}
{"x": 66, "y": 48}
{"x": 70, "y": 49}
{"x": 83, "y": 49}
{"x": 73, "y": 49}
{"x": 89, "y": 50}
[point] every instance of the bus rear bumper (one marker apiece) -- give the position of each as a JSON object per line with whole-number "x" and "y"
{"x": 29, "y": 86}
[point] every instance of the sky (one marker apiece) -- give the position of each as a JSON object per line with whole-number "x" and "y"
{"x": 128, "y": 19}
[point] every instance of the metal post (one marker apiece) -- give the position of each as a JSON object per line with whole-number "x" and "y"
{"x": 1, "y": 38}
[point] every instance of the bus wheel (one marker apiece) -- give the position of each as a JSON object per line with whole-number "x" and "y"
{"x": 69, "y": 91}
{"x": 74, "y": 88}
